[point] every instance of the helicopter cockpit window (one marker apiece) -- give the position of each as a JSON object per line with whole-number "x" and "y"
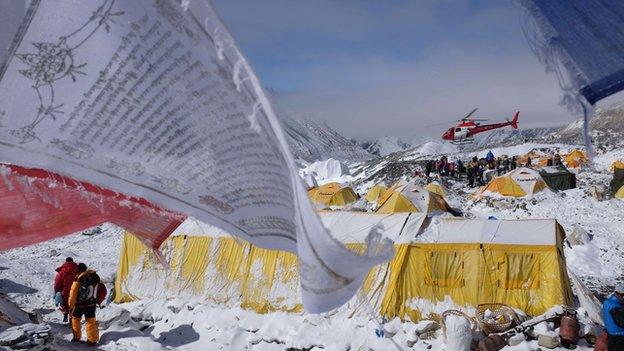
{"x": 458, "y": 129}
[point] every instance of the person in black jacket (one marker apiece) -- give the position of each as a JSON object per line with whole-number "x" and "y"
{"x": 613, "y": 315}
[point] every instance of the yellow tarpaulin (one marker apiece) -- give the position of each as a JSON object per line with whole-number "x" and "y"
{"x": 620, "y": 193}
{"x": 232, "y": 273}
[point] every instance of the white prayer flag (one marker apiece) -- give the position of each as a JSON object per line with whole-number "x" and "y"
{"x": 153, "y": 99}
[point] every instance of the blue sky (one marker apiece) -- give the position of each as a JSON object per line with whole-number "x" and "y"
{"x": 375, "y": 68}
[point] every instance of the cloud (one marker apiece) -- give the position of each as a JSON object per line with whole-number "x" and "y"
{"x": 404, "y": 99}
{"x": 371, "y": 68}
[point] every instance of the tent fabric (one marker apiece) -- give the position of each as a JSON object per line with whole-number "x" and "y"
{"x": 38, "y": 205}
{"x": 558, "y": 178}
{"x": 575, "y": 159}
{"x": 517, "y": 183}
{"x": 583, "y": 42}
{"x": 616, "y": 165}
{"x": 332, "y": 194}
{"x": 527, "y": 255}
{"x": 353, "y": 227}
{"x": 618, "y": 180}
{"x": 620, "y": 193}
{"x": 375, "y": 193}
{"x": 436, "y": 188}
{"x": 407, "y": 197}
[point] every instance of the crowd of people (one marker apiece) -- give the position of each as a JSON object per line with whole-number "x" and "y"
{"x": 479, "y": 171}
{"x": 78, "y": 292}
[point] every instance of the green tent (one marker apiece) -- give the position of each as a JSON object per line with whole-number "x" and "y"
{"x": 618, "y": 180}
{"x": 558, "y": 177}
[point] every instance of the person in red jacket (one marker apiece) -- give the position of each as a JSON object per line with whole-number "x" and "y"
{"x": 63, "y": 281}
{"x": 87, "y": 292}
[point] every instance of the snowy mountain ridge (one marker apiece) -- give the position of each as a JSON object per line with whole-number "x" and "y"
{"x": 313, "y": 141}
{"x": 387, "y": 145}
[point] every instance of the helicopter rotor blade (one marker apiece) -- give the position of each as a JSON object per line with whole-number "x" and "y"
{"x": 470, "y": 114}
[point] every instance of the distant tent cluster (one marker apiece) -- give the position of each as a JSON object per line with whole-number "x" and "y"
{"x": 530, "y": 271}
{"x": 543, "y": 175}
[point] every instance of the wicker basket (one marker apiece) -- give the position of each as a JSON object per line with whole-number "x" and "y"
{"x": 504, "y": 318}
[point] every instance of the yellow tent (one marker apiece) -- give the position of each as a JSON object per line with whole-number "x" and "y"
{"x": 375, "y": 193}
{"x": 575, "y": 159}
{"x": 407, "y": 197}
{"x": 522, "y": 160}
{"x": 620, "y": 193}
{"x": 616, "y": 165}
{"x": 436, "y": 188}
{"x": 519, "y": 263}
{"x": 517, "y": 183}
{"x": 332, "y": 194}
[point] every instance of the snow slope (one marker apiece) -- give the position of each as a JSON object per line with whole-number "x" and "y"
{"x": 26, "y": 274}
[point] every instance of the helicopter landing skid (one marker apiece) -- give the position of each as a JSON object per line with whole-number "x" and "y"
{"x": 465, "y": 141}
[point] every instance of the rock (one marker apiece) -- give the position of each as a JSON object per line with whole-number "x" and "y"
{"x": 12, "y": 336}
{"x": 578, "y": 236}
{"x": 392, "y": 328}
{"x": 549, "y": 341}
{"x": 112, "y": 314}
{"x": 516, "y": 339}
{"x": 26, "y": 336}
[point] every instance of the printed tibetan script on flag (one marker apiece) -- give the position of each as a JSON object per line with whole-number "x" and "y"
{"x": 156, "y": 101}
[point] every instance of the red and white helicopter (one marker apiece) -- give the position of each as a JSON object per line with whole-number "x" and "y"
{"x": 464, "y": 132}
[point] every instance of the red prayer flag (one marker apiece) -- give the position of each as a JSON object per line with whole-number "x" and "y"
{"x": 37, "y": 205}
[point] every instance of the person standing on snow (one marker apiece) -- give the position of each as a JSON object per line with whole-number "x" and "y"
{"x": 613, "y": 315}
{"x": 65, "y": 275}
{"x": 557, "y": 160}
{"x": 87, "y": 292}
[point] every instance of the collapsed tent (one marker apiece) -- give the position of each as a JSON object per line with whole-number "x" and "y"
{"x": 575, "y": 159}
{"x": 332, "y": 194}
{"x": 558, "y": 177}
{"x": 517, "y": 183}
{"x": 375, "y": 193}
{"x": 519, "y": 263}
{"x": 38, "y": 205}
{"x": 617, "y": 183}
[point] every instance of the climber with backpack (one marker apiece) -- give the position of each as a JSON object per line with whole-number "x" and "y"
{"x": 86, "y": 294}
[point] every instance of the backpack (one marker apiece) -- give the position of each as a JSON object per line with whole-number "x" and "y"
{"x": 87, "y": 292}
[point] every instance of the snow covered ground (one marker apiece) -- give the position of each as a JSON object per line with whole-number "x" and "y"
{"x": 26, "y": 276}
